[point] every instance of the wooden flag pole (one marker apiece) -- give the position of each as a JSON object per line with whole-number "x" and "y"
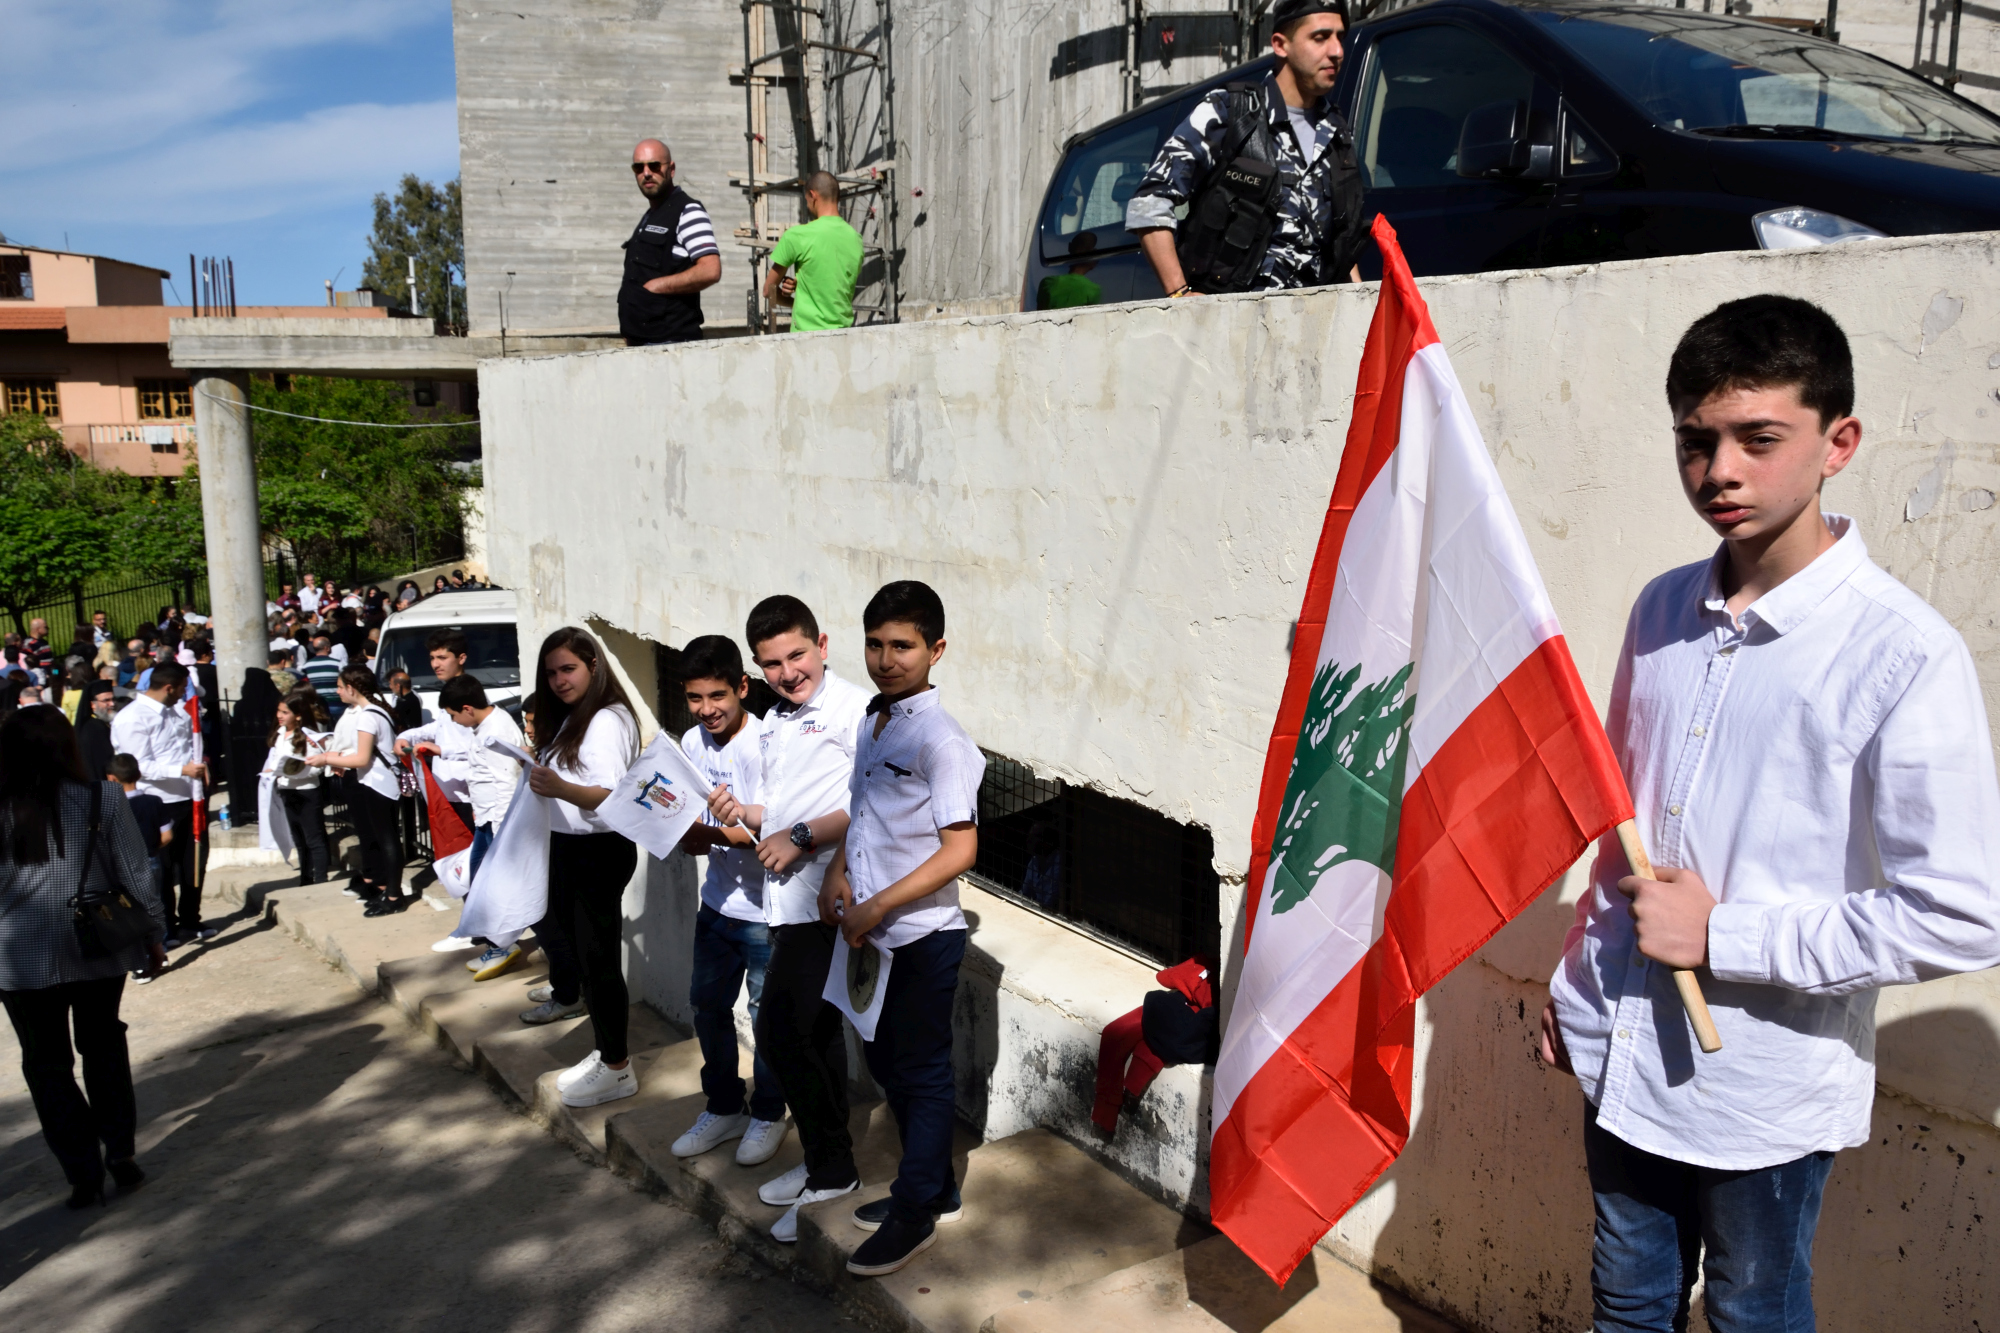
{"x": 1686, "y": 981}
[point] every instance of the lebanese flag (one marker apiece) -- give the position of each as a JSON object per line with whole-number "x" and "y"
{"x": 200, "y": 811}
{"x": 1435, "y": 765}
{"x": 448, "y": 832}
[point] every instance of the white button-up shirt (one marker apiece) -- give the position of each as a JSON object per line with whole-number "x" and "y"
{"x": 162, "y": 740}
{"x": 920, "y": 775}
{"x": 466, "y": 770}
{"x": 1824, "y": 765}
{"x": 808, "y": 754}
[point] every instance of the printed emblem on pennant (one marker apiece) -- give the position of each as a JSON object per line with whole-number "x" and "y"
{"x": 658, "y": 795}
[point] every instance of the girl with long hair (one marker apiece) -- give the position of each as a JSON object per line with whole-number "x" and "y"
{"x": 48, "y": 985}
{"x": 589, "y": 737}
{"x": 301, "y": 729}
{"x": 363, "y": 740}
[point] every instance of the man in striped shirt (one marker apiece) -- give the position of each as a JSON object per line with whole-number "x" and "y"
{"x": 671, "y": 257}
{"x": 322, "y": 672}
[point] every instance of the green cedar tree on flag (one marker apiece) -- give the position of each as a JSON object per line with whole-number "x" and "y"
{"x": 1435, "y": 765}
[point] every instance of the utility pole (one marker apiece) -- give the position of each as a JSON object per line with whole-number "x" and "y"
{"x": 413, "y": 286}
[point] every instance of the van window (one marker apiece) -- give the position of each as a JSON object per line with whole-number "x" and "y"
{"x": 1086, "y": 210}
{"x": 1420, "y": 85}
{"x": 493, "y": 655}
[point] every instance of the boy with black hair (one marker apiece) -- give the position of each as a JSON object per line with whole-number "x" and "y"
{"x": 806, "y": 743}
{"x": 914, "y": 810}
{"x": 732, "y": 945}
{"x": 1808, "y": 755}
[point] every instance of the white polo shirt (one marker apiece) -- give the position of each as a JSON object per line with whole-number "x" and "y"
{"x": 808, "y": 753}
{"x": 735, "y": 882}
{"x": 920, "y": 775}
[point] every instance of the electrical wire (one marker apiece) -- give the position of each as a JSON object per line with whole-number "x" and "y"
{"x": 337, "y": 421}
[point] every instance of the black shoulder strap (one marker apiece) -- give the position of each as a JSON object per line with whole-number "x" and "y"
{"x": 1246, "y": 116}
{"x": 90, "y": 841}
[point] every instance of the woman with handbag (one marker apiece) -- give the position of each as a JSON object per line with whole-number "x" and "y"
{"x": 78, "y": 911}
{"x": 363, "y": 741}
{"x": 301, "y": 729}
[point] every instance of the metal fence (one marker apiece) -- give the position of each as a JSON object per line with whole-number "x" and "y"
{"x": 126, "y": 604}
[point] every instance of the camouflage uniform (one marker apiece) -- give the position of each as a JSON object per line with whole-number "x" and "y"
{"x": 1320, "y": 202}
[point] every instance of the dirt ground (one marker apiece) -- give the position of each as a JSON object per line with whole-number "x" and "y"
{"x": 315, "y": 1164}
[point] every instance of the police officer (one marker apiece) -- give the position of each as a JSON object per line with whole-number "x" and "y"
{"x": 1267, "y": 171}
{"x": 670, "y": 258}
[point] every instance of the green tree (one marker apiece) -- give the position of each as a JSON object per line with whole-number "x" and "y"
{"x": 56, "y": 516}
{"x": 422, "y": 221}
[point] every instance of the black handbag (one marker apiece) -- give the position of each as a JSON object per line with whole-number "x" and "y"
{"x": 112, "y": 920}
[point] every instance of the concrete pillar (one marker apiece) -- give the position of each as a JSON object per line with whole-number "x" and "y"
{"x": 232, "y": 533}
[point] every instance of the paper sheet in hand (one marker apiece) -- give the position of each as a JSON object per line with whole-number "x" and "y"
{"x": 514, "y": 752}
{"x": 659, "y": 798}
{"x": 511, "y": 890}
{"x": 856, "y": 982}
{"x": 274, "y": 831}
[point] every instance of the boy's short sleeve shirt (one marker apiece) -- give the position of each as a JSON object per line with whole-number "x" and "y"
{"x": 919, "y": 776}
{"x": 808, "y": 756}
{"x": 735, "y": 882}
{"x": 825, "y": 258}
{"x": 1823, "y": 763}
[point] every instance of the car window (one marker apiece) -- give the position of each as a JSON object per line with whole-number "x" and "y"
{"x": 1087, "y": 208}
{"x": 1419, "y": 86}
{"x": 493, "y": 655}
{"x": 1692, "y": 71}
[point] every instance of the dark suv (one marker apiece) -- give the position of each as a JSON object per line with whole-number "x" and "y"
{"x": 1503, "y": 135}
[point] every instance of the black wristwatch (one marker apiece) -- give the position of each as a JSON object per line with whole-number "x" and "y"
{"x": 802, "y": 837}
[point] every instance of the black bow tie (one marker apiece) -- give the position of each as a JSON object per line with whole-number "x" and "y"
{"x": 879, "y": 704}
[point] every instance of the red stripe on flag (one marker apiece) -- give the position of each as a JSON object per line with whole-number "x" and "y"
{"x": 448, "y": 832}
{"x": 1510, "y": 800}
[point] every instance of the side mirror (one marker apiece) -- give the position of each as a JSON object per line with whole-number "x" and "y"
{"x": 1494, "y": 142}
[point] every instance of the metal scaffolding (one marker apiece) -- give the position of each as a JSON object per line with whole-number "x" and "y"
{"x": 833, "y": 63}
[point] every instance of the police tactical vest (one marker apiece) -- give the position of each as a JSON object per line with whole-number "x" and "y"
{"x": 648, "y": 316}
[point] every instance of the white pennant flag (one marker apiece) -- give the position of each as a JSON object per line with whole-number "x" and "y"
{"x": 659, "y": 798}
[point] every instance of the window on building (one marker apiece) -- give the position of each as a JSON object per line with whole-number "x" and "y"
{"x": 37, "y": 395}
{"x": 165, "y": 400}
{"x": 1112, "y": 867}
{"x": 17, "y": 279}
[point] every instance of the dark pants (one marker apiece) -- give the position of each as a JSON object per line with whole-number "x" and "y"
{"x": 911, "y": 1058}
{"x": 482, "y": 841}
{"x": 375, "y": 828}
{"x": 803, "y": 1039}
{"x": 727, "y": 953}
{"x": 73, "y": 1123}
{"x": 304, "y": 815}
{"x": 588, "y": 873}
{"x": 1655, "y": 1215}
{"x": 180, "y": 896}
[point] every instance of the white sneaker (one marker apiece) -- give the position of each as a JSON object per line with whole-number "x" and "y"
{"x": 761, "y": 1142}
{"x": 786, "y": 1189}
{"x": 451, "y": 944}
{"x": 602, "y": 1084}
{"x": 786, "y": 1229}
{"x": 579, "y": 1070}
{"x": 541, "y": 994}
{"x": 552, "y": 1011}
{"x": 709, "y": 1130}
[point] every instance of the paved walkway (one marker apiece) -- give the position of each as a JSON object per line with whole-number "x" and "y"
{"x": 318, "y": 1164}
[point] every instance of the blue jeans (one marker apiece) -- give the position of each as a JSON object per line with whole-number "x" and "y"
{"x": 911, "y": 1058}
{"x": 1655, "y": 1215}
{"x": 728, "y": 952}
{"x": 482, "y": 839}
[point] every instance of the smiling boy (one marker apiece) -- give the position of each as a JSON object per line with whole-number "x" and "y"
{"x": 732, "y": 945}
{"x": 1809, "y": 760}
{"x": 914, "y": 811}
{"x": 807, "y": 745}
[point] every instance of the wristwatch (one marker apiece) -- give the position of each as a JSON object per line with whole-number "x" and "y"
{"x": 802, "y": 837}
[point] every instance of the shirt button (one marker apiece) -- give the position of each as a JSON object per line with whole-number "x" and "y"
{"x": 1624, "y": 1034}
{"x": 1673, "y": 810}
{"x": 1727, "y": 651}
{"x": 1700, "y": 730}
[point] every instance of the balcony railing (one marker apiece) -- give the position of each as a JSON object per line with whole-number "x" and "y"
{"x": 162, "y": 437}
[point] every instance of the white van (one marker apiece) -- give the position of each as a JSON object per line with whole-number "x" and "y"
{"x": 486, "y": 616}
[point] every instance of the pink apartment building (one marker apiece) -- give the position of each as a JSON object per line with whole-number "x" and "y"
{"x": 83, "y": 341}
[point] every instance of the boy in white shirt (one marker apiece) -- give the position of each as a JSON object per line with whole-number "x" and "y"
{"x": 732, "y": 945}
{"x": 807, "y": 743}
{"x": 1809, "y": 760}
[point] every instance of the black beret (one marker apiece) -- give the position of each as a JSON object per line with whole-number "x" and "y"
{"x": 1289, "y": 11}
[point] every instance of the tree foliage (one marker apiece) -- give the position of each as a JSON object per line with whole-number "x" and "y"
{"x": 336, "y": 495}
{"x": 421, "y": 221}
{"x": 58, "y": 515}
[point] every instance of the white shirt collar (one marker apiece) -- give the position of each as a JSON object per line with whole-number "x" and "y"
{"x": 1786, "y": 606}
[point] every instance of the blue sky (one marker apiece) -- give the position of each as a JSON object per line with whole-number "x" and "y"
{"x": 259, "y": 129}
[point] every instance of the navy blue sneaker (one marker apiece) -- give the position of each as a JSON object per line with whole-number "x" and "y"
{"x": 894, "y": 1244}
{"x": 946, "y": 1208}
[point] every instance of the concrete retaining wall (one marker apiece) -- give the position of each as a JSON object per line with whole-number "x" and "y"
{"x": 1119, "y": 507}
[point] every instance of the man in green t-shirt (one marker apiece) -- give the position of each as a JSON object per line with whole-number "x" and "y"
{"x": 816, "y": 263}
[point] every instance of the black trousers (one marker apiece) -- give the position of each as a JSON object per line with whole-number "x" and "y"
{"x": 74, "y": 1123}
{"x": 304, "y": 812}
{"x": 802, "y": 1038}
{"x": 180, "y": 896}
{"x": 375, "y": 826}
{"x": 588, "y": 873}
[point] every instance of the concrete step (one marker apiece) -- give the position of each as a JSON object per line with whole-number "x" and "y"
{"x": 1210, "y": 1287}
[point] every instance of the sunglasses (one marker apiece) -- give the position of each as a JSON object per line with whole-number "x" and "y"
{"x": 657, "y": 168}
